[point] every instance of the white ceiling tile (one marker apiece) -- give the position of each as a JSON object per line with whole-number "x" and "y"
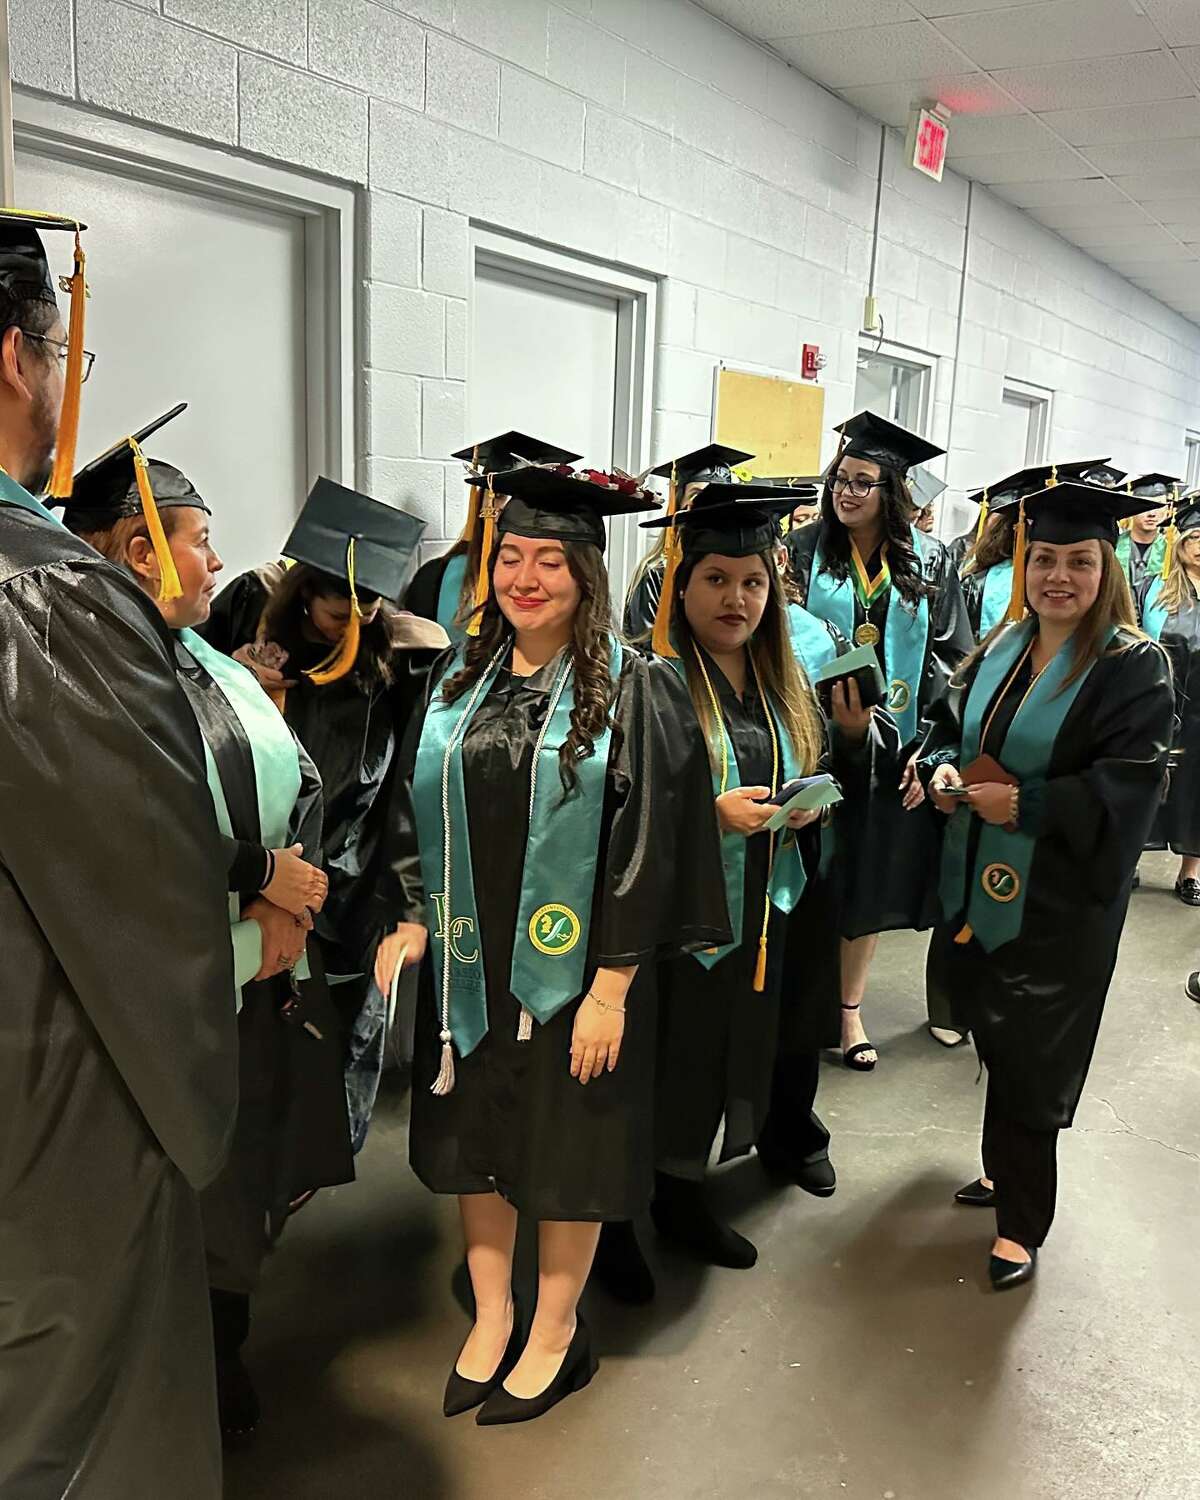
{"x": 1145, "y": 156}
{"x": 770, "y": 19}
{"x": 1176, "y": 214}
{"x": 1054, "y": 31}
{"x": 1190, "y": 58}
{"x": 1168, "y": 120}
{"x": 1178, "y": 20}
{"x": 1143, "y": 187}
{"x": 1076, "y": 218}
{"x": 1139, "y": 79}
{"x": 873, "y": 54}
{"x": 1037, "y": 194}
{"x": 1134, "y": 260}
{"x": 1058, "y": 164}
{"x": 966, "y": 94}
{"x": 1126, "y": 239}
{"x": 982, "y": 135}
{"x": 958, "y": 7}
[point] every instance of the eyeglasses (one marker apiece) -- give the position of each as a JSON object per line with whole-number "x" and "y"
{"x": 60, "y": 349}
{"x": 859, "y": 487}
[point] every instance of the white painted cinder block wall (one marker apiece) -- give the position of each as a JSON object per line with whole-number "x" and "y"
{"x": 643, "y": 132}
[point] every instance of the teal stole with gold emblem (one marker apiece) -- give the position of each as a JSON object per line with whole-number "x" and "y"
{"x": 1154, "y": 616}
{"x": 812, "y": 644}
{"x": 787, "y": 879}
{"x": 999, "y": 875}
{"x": 905, "y": 635}
{"x": 997, "y": 591}
{"x": 449, "y": 597}
{"x": 554, "y": 913}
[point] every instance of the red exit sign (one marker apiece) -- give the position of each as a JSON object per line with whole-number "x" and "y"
{"x": 928, "y": 136}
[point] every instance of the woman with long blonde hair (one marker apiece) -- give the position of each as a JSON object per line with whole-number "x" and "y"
{"x": 1048, "y": 761}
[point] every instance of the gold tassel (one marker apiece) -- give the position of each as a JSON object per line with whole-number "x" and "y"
{"x": 660, "y": 639}
{"x": 341, "y": 659}
{"x": 983, "y": 515}
{"x": 760, "y": 966}
{"x": 468, "y": 532}
{"x": 169, "y": 586}
{"x": 63, "y": 475}
{"x": 482, "y": 579}
{"x": 1053, "y": 480}
{"x": 964, "y": 934}
{"x": 1016, "y": 600}
{"x": 1169, "y": 549}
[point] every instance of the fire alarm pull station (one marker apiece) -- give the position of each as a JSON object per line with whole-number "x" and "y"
{"x": 810, "y": 361}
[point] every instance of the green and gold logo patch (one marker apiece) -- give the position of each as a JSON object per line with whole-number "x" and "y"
{"x": 899, "y": 696}
{"x": 1001, "y": 883}
{"x": 554, "y": 929}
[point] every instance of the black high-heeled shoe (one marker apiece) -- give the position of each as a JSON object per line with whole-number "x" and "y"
{"x": 576, "y": 1371}
{"x": 976, "y": 1195}
{"x": 464, "y": 1395}
{"x": 1004, "y": 1274}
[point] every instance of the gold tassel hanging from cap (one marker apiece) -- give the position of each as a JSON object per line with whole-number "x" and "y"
{"x": 483, "y": 580}
{"x": 468, "y": 532}
{"x": 660, "y": 640}
{"x": 169, "y": 586}
{"x": 1172, "y": 542}
{"x": 1015, "y": 612}
{"x": 341, "y": 659}
{"x": 760, "y": 963}
{"x": 63, "y": 474}
{"x": 983, "y": 515}
{"x": 1053, "y": 480}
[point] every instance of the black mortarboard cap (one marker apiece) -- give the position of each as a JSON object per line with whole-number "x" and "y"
{"x": 561, "y": 508}
{"x": 24, "y": 269}
{"x": 106, "y": 490}
{"x": 1009, "y": 492}
{"x": 732, "y": 520}
{"x": 711, "y": 464}
{"x": 1072, "y": 511}
{"x": 876, "y": 440}
{"x": 503, "y": 452}
{"x": 1094, "y": 471}
{"x": 925, "y": 487}
{"x": 1154, "y": 486}
{"x": 385, "y": 538}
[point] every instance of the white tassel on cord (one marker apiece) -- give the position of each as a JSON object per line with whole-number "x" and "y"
{"x": 444, "y": 1083}
{"x": 525, "y": 1026}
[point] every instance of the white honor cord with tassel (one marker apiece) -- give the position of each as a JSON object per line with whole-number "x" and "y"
{"x": 444, "y": 1082}
{"x": 525, "y": 1024}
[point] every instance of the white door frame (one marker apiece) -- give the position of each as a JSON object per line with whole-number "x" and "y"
{"x": 1040, "y": 400}
{"x": 328, "y": 210}
{"x": 636, "y": 295}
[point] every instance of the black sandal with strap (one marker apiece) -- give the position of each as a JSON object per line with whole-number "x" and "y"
{"x": 852, "y": 1057}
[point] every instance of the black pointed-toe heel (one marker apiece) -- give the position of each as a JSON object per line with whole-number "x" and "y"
{"x": 465, "y": 1395}
{"x": 576, "y": 1371}
{"x": 1004, "y": 1274}
{"x": 975, "y": 1195}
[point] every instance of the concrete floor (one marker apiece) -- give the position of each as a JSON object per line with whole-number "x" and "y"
{"x": 863, "y": 1357}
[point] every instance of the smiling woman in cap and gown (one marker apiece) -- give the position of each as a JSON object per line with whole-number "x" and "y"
{"x": 348, "y": 669}
{"x": 1058, "y": 726}
{"x": 865, "y": 568}
{"x": 292, "y": 1134}
{"x": 447, "y": 588}
{"x": 562, "y": 820}
{"x": 118, "y": 1049}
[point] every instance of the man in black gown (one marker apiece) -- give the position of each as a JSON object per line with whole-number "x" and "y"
{"x": 117, "y": 1042}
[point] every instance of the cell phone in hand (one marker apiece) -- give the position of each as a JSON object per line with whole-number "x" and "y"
{"x": 961, "y": 792}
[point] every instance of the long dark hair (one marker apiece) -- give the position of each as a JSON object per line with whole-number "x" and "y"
{"x": 283, "y": 622}
{"x": 590, "y": 648}
{"x": 995, "y": 545}
{"x": 771, "y": 651}
{"x": 896, "y": 512}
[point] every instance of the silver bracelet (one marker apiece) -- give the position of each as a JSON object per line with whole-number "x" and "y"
{"x": 604, "y": 1004}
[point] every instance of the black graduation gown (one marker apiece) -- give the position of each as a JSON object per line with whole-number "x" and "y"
{"x": 352, "y": 734}
{"x": 292, "y": 1131}
{"x": 642, "y": 603}
{"x": 1178, "y": 823}
{"x": 423, "y": 593}
{"x": 891, "y": 868}
{"x": 117, "y": 1041}
{"x": 1034, "y": 1004}
{"x": 516, "y": 1119}
{"x": 957, "y": 549}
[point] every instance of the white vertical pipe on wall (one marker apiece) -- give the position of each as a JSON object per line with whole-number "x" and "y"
{"x": 8, "y": 171}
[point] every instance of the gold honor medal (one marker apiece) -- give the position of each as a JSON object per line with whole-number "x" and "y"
{"x": 1001, "y": 882}
{"x": 866, "y": 635}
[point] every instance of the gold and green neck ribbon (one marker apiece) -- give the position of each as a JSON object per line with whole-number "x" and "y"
{"x": 868, "y": 589}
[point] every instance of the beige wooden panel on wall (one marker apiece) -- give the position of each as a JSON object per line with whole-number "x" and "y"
{"x": 778, "y": 420}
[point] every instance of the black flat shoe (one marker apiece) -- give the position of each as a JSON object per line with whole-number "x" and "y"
{"x": 465, "y": 1395}
{"x": 975, "y": 1195}
{"x": 681, "y": 1215}
{"x": 814, "y": 1173}
{"x": 1191, "y": 986}
{"x": 1188, "y": 891}
{"x": 620, "y": 1267}
{"x": 576, "y": 1371}
{"x": 238, "y": 1409}
{"x": 1005, "y": 1274}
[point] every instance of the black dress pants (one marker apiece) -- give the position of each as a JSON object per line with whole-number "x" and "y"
{"x": 792, "y": 1124}
{"x": 1023, "y": 1164}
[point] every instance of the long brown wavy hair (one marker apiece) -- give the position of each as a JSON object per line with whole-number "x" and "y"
{"x": 1113, "y": 605}
{"x": 771, "y": 651}
{"x": 590, "y": 647}
{"x": 283, "y": 622}
{"x": 995, "y": 545}
{"x": 895, "y": 510}
{"x": 1177, "y": 587}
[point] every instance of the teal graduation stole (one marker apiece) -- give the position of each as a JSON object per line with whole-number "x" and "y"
{"x": 558, "y": 884}
{"x": 812, "y": 644}
{"x": 997, "y": 591}
{"x": 905, "y": 636}
{"x": 276, "y": 781}
{"x": 449, "y": 595}
{"x": 787, "y": 872}
{"x": 995, "y": 902}
{"x": 1154, "y": 616}
{"x": 12, "y": 493}
{"x": 1154, "y": 558}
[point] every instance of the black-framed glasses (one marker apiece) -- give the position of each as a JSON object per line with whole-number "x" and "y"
{"x": 60, "y": 349}
{"x": 859, "y": 487}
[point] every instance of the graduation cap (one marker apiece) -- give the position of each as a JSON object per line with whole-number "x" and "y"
{"x": 925, "y": 487}
{"x": 1153, "y": 487}
{"x": 122, "y": 482}
{"x": 361, "y": 541}
{"x": 736, "y": 521}
{"x": 712, "y": 464}
{"x": 876, "y": 440}
{"x": 505, "y": 451}
{"x": 1094, "y": 471}
{"x": 25, "y": 276}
